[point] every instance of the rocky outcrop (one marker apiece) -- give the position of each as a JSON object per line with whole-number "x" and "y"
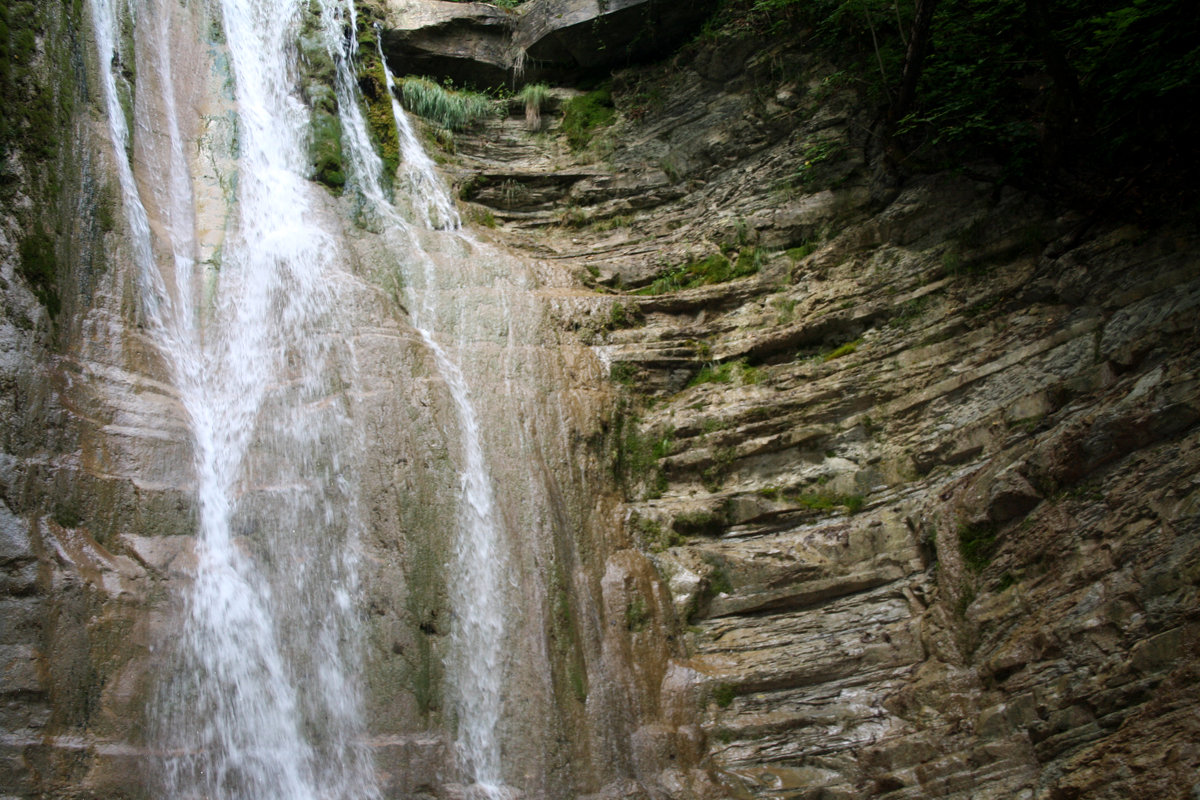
{"x": 910, "y": 507}
{"x": 922, "y": 489}
{"x": 559, "y": 40}
{"x": 565, "y": 36}
{"x": 470, "y": 43}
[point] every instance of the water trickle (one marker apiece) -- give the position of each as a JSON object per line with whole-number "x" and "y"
{"x": 424, "y": 185}
{"x": 263, "y": 698}
{"x": 480, "y": 559}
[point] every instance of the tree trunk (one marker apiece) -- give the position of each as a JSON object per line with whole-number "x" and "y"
{"x": 914, "y": 59}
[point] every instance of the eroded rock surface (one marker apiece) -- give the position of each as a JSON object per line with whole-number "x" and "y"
{"x": 922, "y": 490}
{"x": 483, "y": 45}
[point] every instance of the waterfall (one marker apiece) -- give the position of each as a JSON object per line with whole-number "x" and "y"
{"x": 263, "y": 697}
{"x": 480, "y": 561}
{"x": 429, "y": 194}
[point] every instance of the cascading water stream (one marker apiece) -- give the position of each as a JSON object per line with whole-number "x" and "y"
{"x": 477, "y": 587}
{"x": 264, "y": 698}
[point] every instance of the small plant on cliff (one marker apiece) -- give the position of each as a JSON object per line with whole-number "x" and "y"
{"x": 844, "y": 350}
{"x": 534, "y": 96}
{"x": 733, "y": 372}
{"x": 584, "y": 114}
{"x": 715, "y": 268}
{"x": 636, "y": 614}
{"x": 976, "y": 543}
{"x": 448, "y": 108}
{"x": 723, "y": 695}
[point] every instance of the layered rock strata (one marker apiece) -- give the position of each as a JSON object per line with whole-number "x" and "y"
{"x": 923, "y": 489}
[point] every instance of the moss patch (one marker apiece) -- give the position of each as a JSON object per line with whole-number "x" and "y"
{"x": 39, "y": 268}
{"x": 977, "y": 544}
{"x": 584, "y": 114}
{"x": 716, "y": 268}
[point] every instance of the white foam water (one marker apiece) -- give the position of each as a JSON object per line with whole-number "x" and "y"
{"x": 263, "y": 697}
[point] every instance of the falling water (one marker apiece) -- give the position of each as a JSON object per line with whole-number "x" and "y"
{"x": 429, "y": 194}
{"x": 264, "y": 698}
{"x": 477, "y": 587}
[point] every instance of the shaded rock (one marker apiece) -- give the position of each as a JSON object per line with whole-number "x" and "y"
{"x": 588, "y": 35}
{"x": 467, "y": 42}
{"x": 482, "y": 45}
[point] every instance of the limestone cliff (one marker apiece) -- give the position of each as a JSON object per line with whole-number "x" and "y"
{"x": 883, "y": 490}
{"x": 922, "y": 487}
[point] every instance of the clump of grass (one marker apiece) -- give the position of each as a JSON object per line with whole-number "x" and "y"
{"x": 584, "y": 114}
{"x": 534, "y": 96}
{"x": 844, "y": 350}
{"x": 448, "y": 108}
{"x": 612, "y": 223}
{"x": 715, "y": 268}
{"x": 826, "y": 501}
{"x": 732, "y": 372}
{"x": 622, "y": 315}
{"x": 802, "y": 251}
{"x": 623, "y": 372}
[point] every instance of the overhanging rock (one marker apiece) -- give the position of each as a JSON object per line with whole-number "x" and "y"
{"x": 587, "y": 35}
{"x": 470, "y": 43}
{"x": 483, "y": 45}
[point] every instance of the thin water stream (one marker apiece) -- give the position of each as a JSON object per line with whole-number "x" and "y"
{"x": 480, "y": 559}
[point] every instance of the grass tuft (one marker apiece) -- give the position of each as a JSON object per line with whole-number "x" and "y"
{"x": 448, "y": 108}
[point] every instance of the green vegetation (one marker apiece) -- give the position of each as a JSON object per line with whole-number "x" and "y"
{"x": 636, "y": 614}
{"x": 653, "y": 536}
{"x": 39, "y": 268}
{"x": 802, "y": 251}
{"x": 723, "y": 694}
{"x": 700, "y": 523}
{"x": 715, "y": 582}
{"x": 732, "y": 372}
{"x": 909, "y": 311}
{"x": 634, "y": 455}
{"x": 844, "y": 350}
{"x": 534, "y": 96}
{"x": 715, "y": 268}
{"x": 38, "y": 89}
{"x": 624, "y": 315}
{"x": 1096, "y": 100}
{"x": 372, "y": 84}
{"x": 623, "y": 372}
{"x": 325, "y": 151}
{"x": 976, "y": 543}
{"x": 479, "y": 215}
{"x": 584, "y": 114}
{"x": 808, "y": 175}
{"x": 817, "y": 501}
{"x": 448, "y": 108}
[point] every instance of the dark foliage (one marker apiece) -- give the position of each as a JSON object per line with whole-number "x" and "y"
{"x": 1096, "y": 100}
